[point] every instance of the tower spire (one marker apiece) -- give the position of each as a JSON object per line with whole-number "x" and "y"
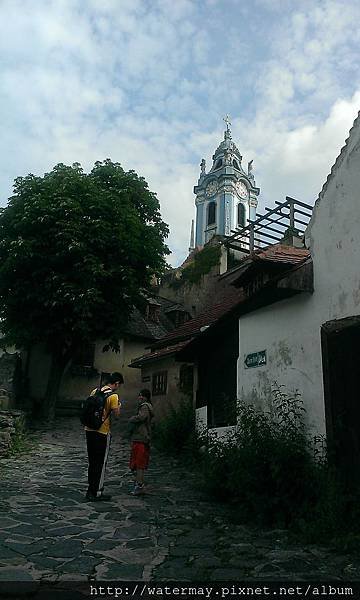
{"x": 192, "y": 237}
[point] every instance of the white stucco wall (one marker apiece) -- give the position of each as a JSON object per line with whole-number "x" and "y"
{"x": 201, "y": 418}
{"x": 290, "y": 330}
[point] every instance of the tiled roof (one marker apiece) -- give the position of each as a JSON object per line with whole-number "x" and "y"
{"x": 178, "y": 307}
{"x": 282, "y": 253}
{"x": 278, "y": 254}
{"x": 228, "y": 297}
{"x": 157, "y": 354}
{"x": 231, "y": 297}
{"x": 141, "y": 327}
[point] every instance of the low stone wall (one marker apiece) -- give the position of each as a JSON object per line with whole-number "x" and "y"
{"x": 10, "y": 380}
{"x": 11, "y": 421}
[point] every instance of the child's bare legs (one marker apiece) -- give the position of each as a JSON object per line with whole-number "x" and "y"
{"x": 139, "y": 482}
{"x": 140, "y": 476}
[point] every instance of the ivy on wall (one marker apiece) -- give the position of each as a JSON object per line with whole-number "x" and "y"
{"x": 203, "y": 262}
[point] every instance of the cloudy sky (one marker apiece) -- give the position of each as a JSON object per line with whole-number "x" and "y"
{"x": 147, "y": 83}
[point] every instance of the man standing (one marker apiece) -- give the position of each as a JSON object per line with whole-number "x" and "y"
{"x": 98, "y": 440}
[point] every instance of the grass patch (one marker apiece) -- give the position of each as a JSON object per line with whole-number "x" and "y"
{"x": 21, "y": 441}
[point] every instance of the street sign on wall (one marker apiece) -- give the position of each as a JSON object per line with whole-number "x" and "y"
{"x": 255, "y": 359}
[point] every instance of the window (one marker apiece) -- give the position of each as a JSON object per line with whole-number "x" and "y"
{"x": 222, "y": 412}
{"x": 159, "y": 383}
{"x": 236, "y": 164}
{"x": 186, "y": 380}
{"x": 85, "y": 355}
{"x": 83, "y": 362}
{"x": 218, "y": 164}
{"x": 153, "y": 312}
{"x": 241, "y": 215}
{"x": 211, "y": 213}
{"x": 178, "y": 317}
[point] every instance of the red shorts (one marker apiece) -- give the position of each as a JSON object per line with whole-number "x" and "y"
{"x": 140, "y": 454}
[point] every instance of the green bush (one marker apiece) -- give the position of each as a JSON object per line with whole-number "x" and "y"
{"x": 268, "y": 465}
{"x": 278, "y": 476}
{"x": 176, "y": 432}
{"x": 275, "y": 473}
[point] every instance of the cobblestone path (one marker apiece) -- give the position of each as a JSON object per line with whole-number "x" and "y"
{"x": 49, "y": 533}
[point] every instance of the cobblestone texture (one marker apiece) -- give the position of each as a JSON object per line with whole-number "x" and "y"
{"x": 50, "y": 533}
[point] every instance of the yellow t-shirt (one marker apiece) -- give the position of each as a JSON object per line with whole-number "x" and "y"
{"x": 112, "y": 402}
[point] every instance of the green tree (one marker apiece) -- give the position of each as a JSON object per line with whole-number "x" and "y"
{"x": 75, "y": 249}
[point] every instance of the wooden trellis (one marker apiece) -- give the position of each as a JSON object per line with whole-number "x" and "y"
{"x": 289, "y": 217}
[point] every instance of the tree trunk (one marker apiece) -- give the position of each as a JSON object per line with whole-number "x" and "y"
{"x": 57, "y": 368}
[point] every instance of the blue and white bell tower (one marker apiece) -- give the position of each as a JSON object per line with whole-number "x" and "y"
{"x": 226, "y": 196}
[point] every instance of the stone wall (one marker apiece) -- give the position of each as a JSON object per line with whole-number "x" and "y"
{"x": 197, "y": 296}
{"x": 10, "y": 379}
{"x": 11, "y": 421}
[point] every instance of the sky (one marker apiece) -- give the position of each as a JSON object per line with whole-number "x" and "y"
{"x": 148, "y": 82}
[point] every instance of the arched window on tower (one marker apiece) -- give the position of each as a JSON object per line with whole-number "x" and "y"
{"x": 219, "y": 164}
{"x": 236, "y": 164}
{"x": 241, "y": 215}
{"x": 211, "y": 216}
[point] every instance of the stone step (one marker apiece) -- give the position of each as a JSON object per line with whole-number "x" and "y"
{"x": 68, "y": 407}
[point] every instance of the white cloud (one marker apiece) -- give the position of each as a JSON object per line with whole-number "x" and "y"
{"x": 298, "y": 160}
{"x": 147, "y": 83}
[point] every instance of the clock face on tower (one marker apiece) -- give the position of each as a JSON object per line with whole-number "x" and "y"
{"x": 241, "y": 189}
{"x": 211, "y": 188}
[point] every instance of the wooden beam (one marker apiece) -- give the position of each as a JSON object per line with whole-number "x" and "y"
{"x": 271, "y": 237}
{"x": 270, "y": 229}
{"x": 261, "y": 223}
{"x": 299, "y": 203}
{"x": 301, "y": 212}
{"x": 278, "y": 221}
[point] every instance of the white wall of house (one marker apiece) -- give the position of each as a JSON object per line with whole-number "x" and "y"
{"x": 289, "y": 331}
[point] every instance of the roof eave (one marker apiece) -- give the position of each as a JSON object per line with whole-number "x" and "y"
{"x": 296, "y": 281}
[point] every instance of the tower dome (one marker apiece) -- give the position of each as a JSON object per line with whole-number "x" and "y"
{"x": 226, "y": 196}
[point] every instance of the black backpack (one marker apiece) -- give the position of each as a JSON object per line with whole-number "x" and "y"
{"x": 92, "y": 409}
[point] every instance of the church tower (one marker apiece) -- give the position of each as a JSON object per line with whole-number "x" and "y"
{"x": 226, "y": 196}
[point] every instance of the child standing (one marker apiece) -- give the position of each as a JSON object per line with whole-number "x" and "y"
{"x": 140, "y": 440}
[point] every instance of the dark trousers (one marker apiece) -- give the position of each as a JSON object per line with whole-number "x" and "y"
{"x": 97, "y": 448}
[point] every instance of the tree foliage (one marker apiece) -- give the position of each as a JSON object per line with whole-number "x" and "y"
{"x": 75, "y": 249}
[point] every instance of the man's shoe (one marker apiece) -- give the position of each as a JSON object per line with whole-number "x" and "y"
{"x": 91, "y": 497}
{"x": 104, "y": 498}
